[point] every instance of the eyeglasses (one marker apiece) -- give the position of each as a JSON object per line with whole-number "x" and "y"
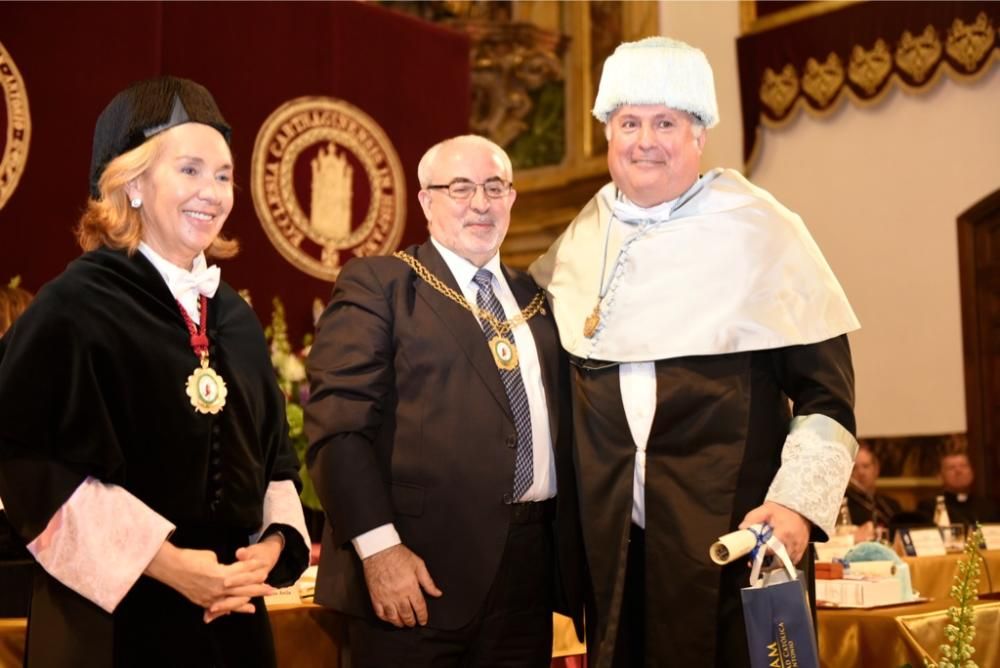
{"x": 463, "y": 190}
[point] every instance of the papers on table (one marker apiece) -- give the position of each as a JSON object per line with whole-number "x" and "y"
{"x": 991, "y": 536}
{"x": 305, "y": 587}
{"x": 920, "y": 542}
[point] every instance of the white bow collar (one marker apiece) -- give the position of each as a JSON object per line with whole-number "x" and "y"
{"x": 186, "y": 286}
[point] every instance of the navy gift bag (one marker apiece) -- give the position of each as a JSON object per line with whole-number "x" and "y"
{"x": 776, "y": 611}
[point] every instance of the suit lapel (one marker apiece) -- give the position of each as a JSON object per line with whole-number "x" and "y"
{"x": 460, "y": 322}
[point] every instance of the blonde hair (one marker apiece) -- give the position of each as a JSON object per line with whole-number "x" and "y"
{"x": 111, "y": 221}
{"x": 13, "y": 301}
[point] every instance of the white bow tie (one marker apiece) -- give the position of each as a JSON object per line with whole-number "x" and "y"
{"x": 205, "y": 281}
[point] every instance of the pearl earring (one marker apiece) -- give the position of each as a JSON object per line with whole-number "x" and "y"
{"x": 136, "y": 202}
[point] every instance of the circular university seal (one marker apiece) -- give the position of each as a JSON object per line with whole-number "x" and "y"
{"x": 15, "y": 121}
{"x": 326, "y": 181}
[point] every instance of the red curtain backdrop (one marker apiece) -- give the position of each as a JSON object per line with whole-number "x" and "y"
{"x": 411, "y": 77}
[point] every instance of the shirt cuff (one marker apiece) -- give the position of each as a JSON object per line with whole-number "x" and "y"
{"x": 816, "y": 464}
{"x": 100, "y": 541}
{"x": 376, "y": 540}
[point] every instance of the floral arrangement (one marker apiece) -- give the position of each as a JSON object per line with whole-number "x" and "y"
{"x": 957, "y": 652}
{"x": 289, "y": 365}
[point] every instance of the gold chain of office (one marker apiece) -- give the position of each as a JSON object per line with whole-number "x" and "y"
{"x": 502, "y": 328}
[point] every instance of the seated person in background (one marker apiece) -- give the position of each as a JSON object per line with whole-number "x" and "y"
{"x": 868, "y": 509}
{"x": 964, "y": 507}
{"x": 13, "y": 300}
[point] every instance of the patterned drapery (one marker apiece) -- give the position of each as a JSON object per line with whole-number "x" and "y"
{"x": 859, "y": 52}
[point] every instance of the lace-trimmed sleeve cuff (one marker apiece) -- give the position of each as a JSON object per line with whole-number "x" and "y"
{"x": 816, "y": 464}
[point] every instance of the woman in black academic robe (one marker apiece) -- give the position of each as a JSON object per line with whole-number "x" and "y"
{"x": 144, "y": 449}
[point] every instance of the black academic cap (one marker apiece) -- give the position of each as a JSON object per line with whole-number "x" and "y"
{"x": 145, "y": 109}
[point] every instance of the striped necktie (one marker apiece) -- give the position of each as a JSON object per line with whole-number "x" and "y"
{"x": 513, "y": 384}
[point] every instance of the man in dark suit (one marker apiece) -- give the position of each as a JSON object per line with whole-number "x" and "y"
{"x": 439, "y": 426}
{"x": 870, "y": 511}
{"x": 963, "y": 504}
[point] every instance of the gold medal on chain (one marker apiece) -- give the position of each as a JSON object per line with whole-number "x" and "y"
{"x": 504, "y": 353}
{"x": 592, "y": 322}
{"x": 503, "y": 349}
{"x": 205, "y": 388}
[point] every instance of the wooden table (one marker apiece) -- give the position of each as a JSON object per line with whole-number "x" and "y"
{"x": 305, "y": 636}
{"x": 894, "y": 636}
{"x": 12, "y": 642}
{"x": 933, "y": 576}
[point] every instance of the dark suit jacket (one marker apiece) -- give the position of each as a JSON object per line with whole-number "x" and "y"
{"x": 409, "y": 423}
{"x": 973, "y": 509}
{"x": 863, "y": 508}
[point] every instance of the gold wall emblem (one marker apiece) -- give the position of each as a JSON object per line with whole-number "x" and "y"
{"x": 326, "y": 180}
{"x": 17, "y": 119}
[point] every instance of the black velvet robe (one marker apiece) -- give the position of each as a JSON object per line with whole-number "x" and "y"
{"x": 713, "y": 450}
{"x": 92, "y": 383}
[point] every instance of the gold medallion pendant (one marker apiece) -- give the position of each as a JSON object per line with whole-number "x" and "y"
{"x": 206, "y": 389}
{"x": 592, "y": 321}
{"x": 504, "y": 353}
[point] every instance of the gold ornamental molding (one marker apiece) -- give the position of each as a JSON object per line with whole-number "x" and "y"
{"x": 868, "y": 69}
{"x": 326, "y": 183}
{"x": 810, "y": 66}
{"x": 917, "y": 55}
{"x": 821, "y": 82}
{"x": 17, "y": 135}
{"x": 967, "y": 44}
{"x": 778, "y": 91}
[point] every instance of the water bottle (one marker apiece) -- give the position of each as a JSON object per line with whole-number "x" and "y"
{"x": 941, "y": 518}
{"x": 943, "y": 523}
{"x": 844, "y": 526}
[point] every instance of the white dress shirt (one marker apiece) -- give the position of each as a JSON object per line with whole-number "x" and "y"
{"x": 543, "y": 485}
{"x": 638, "y": 386}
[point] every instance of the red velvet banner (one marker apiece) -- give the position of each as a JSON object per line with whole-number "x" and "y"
{"x": 410, "y": 77}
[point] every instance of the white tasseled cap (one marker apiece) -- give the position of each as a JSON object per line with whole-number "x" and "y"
{"x": 658, "y": 70}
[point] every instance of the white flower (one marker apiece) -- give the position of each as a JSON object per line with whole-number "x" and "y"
{"x": 292, "y": 369}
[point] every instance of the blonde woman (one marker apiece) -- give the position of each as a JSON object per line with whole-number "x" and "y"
{"x": 143, "y": 444}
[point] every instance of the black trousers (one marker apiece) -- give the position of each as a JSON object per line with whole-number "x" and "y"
{"x": 512, "y": 629}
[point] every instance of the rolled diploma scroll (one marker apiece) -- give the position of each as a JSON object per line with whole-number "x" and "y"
{"x": 877, "y": 568}
{"x": 734, "y": 545}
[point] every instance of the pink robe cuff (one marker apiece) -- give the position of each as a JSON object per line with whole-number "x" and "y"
{"x": 100, "y": 541}
{"x": 282, "y": 506}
